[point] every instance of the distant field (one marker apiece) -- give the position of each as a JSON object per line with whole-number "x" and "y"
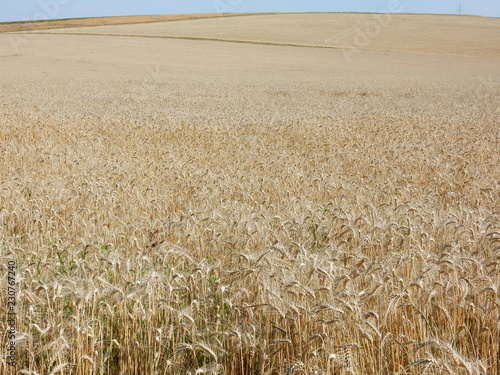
{"x": 441, "y": 34}
{"x": 178, "y": 203}
{"x": 99, "y": 21}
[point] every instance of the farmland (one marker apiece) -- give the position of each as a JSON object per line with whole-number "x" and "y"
{"x": 264, "y": 194}
{"x": 46, "y": 24}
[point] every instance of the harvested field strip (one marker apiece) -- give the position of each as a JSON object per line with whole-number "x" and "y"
{"x": 101, "y": 21}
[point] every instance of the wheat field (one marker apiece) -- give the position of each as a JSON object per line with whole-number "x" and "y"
{"x": 438, "y": 34}
{"x": 189, "y": 206}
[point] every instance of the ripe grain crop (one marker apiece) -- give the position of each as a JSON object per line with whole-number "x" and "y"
{"x": 458, "y": 35}
{"x": 196, "y": 207}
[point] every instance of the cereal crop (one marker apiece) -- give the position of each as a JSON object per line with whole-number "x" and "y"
{"x": 186, "y": 206}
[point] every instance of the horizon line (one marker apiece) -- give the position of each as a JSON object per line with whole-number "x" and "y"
{"x": 241, "y": 14}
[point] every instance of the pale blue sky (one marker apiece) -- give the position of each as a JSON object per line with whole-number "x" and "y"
{"x": 13, "y": 10}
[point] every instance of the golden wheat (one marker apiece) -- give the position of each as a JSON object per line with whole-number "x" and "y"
{"x": 238, "y": 217}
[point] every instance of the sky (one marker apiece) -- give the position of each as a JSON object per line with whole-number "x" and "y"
{"x": 29, "y": 10}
